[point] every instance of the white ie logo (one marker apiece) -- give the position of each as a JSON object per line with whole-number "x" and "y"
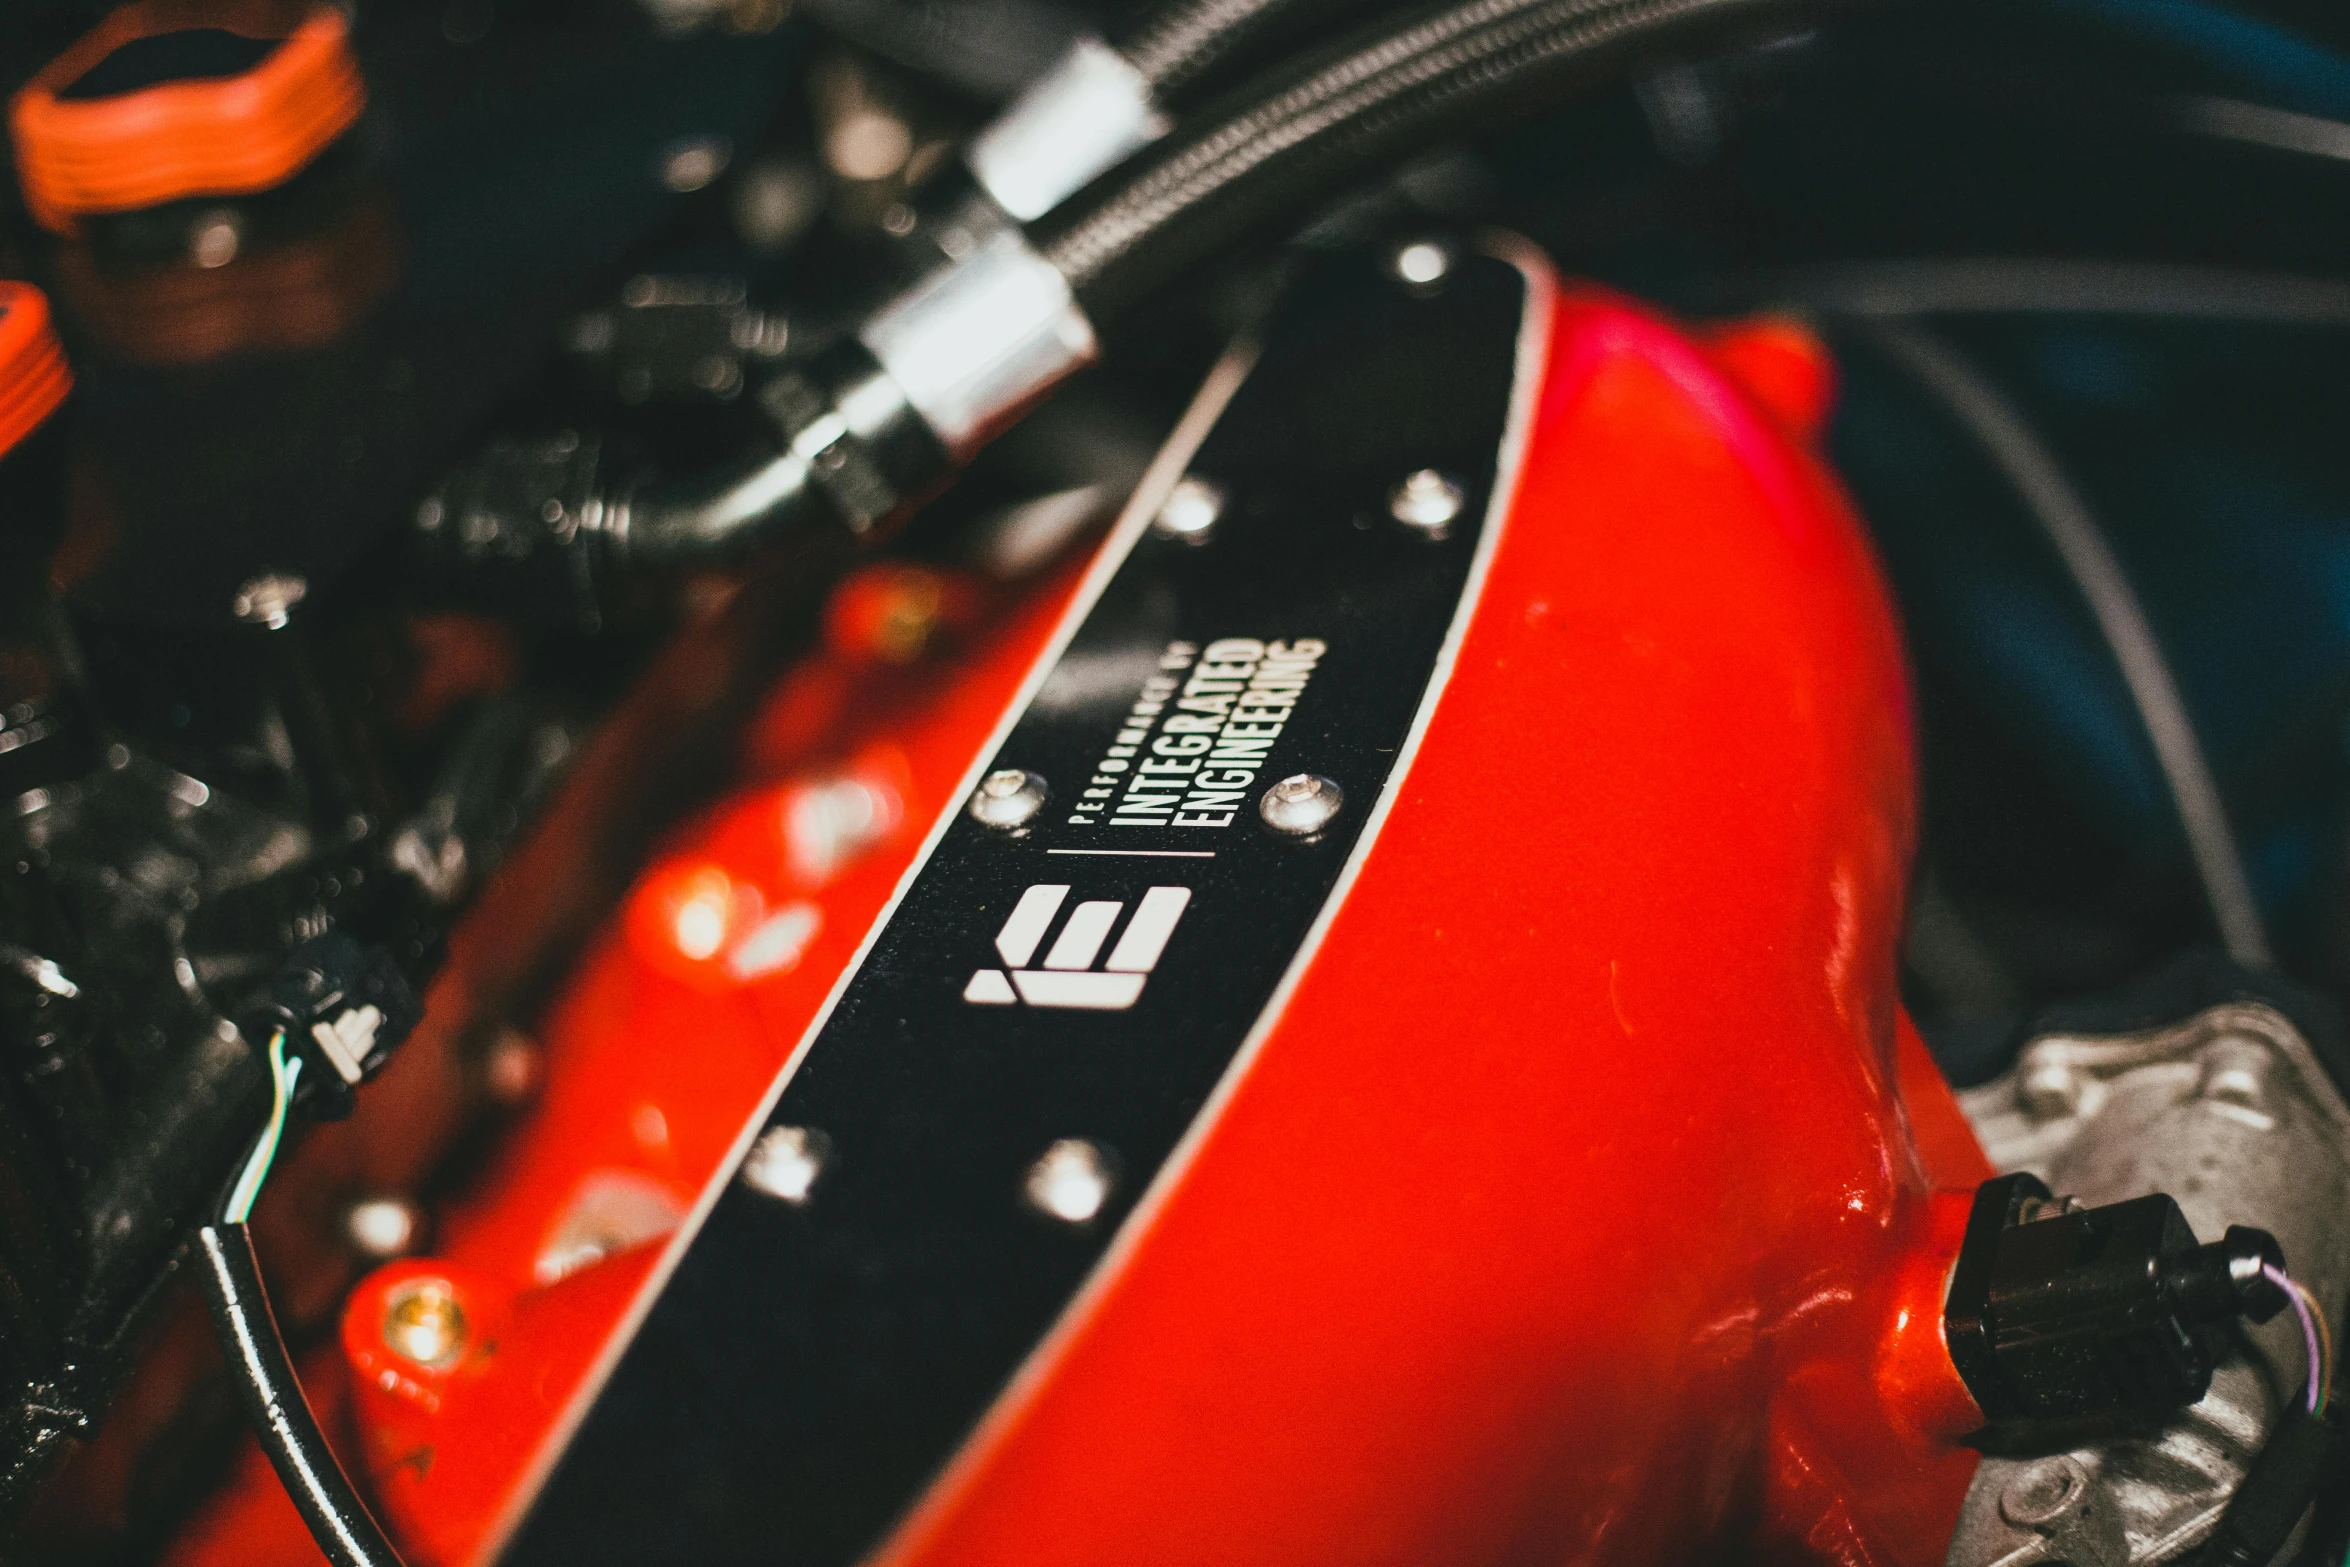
{"x": 1068, "y": 977}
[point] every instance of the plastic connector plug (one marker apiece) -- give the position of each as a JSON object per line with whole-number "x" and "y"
{"x": 2059, "y": 1314}
{"x": 344, "y": 1008}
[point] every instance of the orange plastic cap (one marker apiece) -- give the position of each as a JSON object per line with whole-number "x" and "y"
{"x": 33, "y": 376}
{"x": 215, "y": 136}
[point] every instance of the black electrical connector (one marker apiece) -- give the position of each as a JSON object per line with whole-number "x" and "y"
{"x": 2060, "y": 1314}
{"x": 343, "y": 1008}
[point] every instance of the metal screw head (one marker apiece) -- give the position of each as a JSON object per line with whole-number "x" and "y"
{"x": 1421, "y": 264}
{"x": 1427, "y": 502}
{"x": 424, "y": 1322}
{"x": 383, "y": 1227}
{"x": 785, "y": 1161}
{"x": 269, "y": 599}
{"x": 1007, "y": 798}
{"x": 1071, "y": 1181}
{"x": 2042, "y": 1492}
{"x": 1301, "y": 804}
{"x": 1190, "y": 512}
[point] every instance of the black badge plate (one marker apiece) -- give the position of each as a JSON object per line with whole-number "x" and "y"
{"x": 1083, "y": 983}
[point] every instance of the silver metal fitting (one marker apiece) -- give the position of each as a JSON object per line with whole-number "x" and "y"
{"x": 1008, "y": 797}
{"x": 1301, "y": 805}
{"x": 1079, "y": 118}
{"x": 977, "y": 341}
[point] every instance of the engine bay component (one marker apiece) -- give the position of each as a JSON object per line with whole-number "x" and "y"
{"x": 34, "y": 377}
{"x": 170, "y": 100}
{"x": 1165, "y": 1017}
{"x": 343, "y": 1007}
{"x": 2059, "y": 1312}
{"x": 2233, "y": 1109}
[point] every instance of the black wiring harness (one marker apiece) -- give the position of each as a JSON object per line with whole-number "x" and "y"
{"x": 274, "y": 1406}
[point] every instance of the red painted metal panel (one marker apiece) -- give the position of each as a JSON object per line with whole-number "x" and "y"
{"x": 1589, "y": 1201}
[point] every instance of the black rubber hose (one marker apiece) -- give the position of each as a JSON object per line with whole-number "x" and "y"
{"x": 718, "y": 516}
{"x": 1348, "y": 111}
{"x": 280, "y": 1415}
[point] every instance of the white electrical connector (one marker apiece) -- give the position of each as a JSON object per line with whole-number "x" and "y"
{"x": 347, "y": 1040}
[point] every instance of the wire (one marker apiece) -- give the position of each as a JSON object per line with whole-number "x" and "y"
{"x": 256, "y": 1351}
{"x": 2007, "y": 285}
{"x": 2069, "y": 525}
{"x": 283, "y": 1075}
{"x": 2317, "y": 1339}
{"x": 274, "y": 1406}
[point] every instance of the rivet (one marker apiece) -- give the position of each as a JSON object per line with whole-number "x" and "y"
{"x": 1427, "y": 502}
{"x": 1071, "y": 1181}
{"x": 1190, "y": 512}
{"x": 2042, "y": 1492}
{"x": 785, "y": 1161}
{"x": 1422, "y": 264}
{"x": 1301, "y": 804}
{"x": 424, "y": 1322}
{"x": 269, "y": 599}
{"x": 1007, "y": 798}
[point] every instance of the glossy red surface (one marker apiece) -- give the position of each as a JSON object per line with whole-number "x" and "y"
{"x": 1590, "y": 1200}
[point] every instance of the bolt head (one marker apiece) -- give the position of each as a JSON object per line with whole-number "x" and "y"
{"x": 785, "y": 1162}
{"x": 1423, "y": 264}
{"x": 1190, "y": 511}
{"x": 1071, "y": 1181}
{"x": 1007, "y": 798}
{"x": 424, "y": 1322}
{"x": 269, "y": 599}
{"x": 1427, "y": 502}
{"x": 2042, "y": 1492}
{"x": 1301, "y": 805}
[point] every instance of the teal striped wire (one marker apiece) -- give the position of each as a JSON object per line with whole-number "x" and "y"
{"x": 283, "y": 1074}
